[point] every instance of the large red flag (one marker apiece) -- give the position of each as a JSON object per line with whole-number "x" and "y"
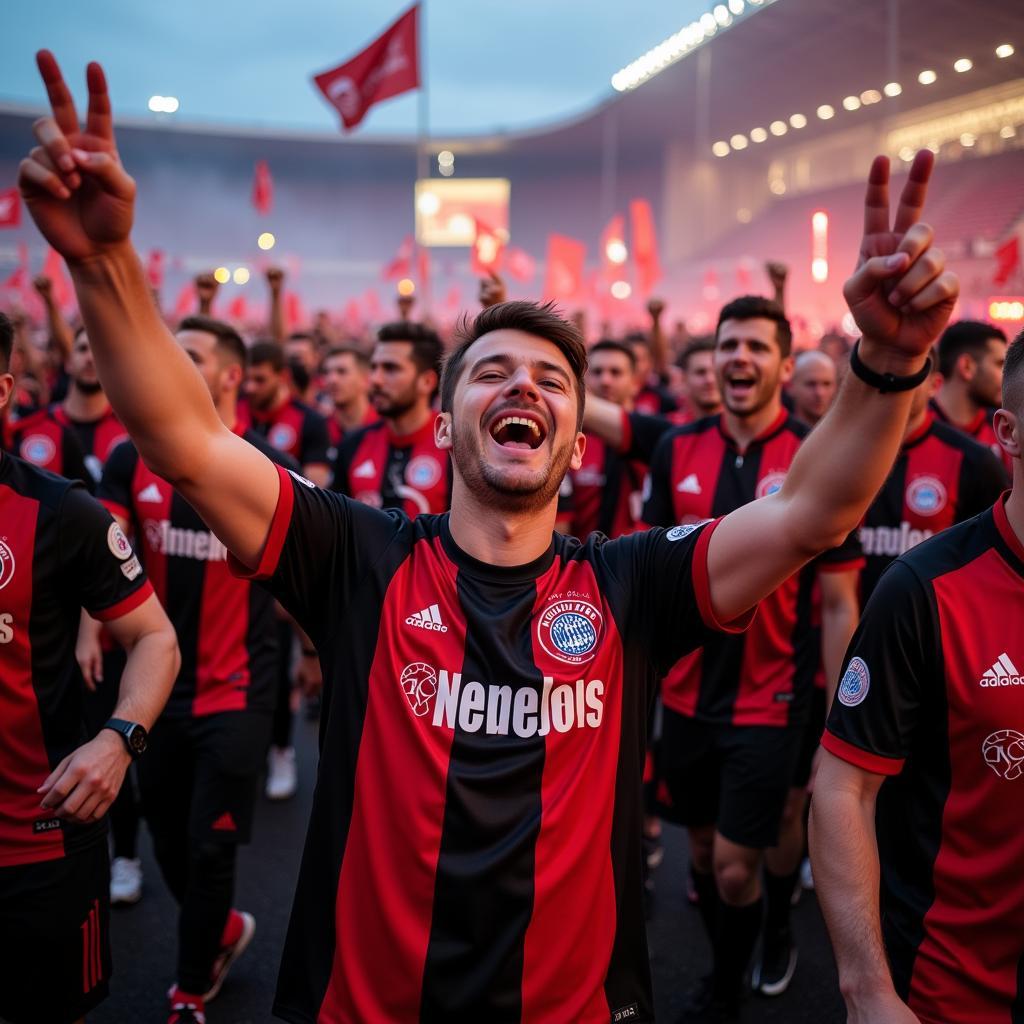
{"x": 488, "y": 250}
{"x": 613, "y": 244}
{"x": 262, "y": 188}
{"x": 423, "y": 267}
{"x": 1007, "y": 260}
{"x": 387, "y": 67}
{"x": 645, "y": 245}
{"x": 563, "y": 277}
{"x": 10, "y": 208}
{"x": 520, "y": 264}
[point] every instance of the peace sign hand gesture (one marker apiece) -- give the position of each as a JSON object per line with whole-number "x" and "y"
{"x": 900, "y": 294}
{"x": 73, "y": 183}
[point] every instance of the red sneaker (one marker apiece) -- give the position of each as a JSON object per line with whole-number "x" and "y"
{"x": 185, "y": 1008}
{"x": 238, "y": 933}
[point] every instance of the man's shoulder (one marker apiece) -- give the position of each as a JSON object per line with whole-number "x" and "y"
{"x": 306, "y": 411}
{"x": 258, "y": 441}
{"x": 946, "y": 434}
{"x": 952, "y": 549}
{"x": 23, "y": 478}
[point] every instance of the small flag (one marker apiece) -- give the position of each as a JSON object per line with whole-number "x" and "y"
{"x": 262, "y": 188}
{"x": 10, "y": 208}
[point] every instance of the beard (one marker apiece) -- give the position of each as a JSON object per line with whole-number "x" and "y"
{"x": 509, "y": 490}
{"x": 391, "y": 408}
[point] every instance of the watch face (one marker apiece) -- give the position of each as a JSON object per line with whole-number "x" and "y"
{"x": 138, "y": 740}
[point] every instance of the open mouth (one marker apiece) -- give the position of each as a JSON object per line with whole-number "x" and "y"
{"x": 515, "y": 431}
{"x": 741, "y": 385}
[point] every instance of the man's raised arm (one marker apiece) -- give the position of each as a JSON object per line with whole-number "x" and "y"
{"x": 901, "y": 297}
{"x": 83, "y": 202}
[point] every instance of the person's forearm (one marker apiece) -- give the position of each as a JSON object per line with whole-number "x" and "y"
{"x": 277, "y": 328}
{"x": 150, "y": 381}
{"x": 844, "y": 858}
{"x": 604, "y": 419}
{"x": 846, "y": 458}
{"x": 148, "y": 677}
{"x": 659, "y": 347}
{"x": 60, "y": 330}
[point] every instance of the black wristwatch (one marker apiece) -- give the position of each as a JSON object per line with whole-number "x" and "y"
{"x": 135, "y": 737}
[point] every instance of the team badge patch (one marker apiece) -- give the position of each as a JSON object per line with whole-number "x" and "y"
{"x": 1003, "y": 751}
{"x": 6, "y": 565}
{"x": 770, "y": 484}
{"x": 118, "y": 543}
{"x": 419, "y": 684}
{"x": 423, "y": 472}
{"x": 38, "y": 449}
{"x": 854, "y": 685}
{"x": 926, "y": 495}
{"x": 679, "y": 532}
{"x": 282, "y": 437}
{"x": 570, "y": 631}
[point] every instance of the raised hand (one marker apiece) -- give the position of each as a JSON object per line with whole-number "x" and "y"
{"x": 492, "y": 290}
{"x": 73, "y": 183}
{"x": 275, "y": 278}
{"x": 901, "y": 295}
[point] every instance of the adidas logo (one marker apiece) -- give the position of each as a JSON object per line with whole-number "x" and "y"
{"x": 150, "y": 493}
{"x": 365, "y": 469}
{"x": 1002, "y": 673}
{"x": 429, "y": 618}
{"x": 689, "y": 484}
{"x": 225, "y": 823}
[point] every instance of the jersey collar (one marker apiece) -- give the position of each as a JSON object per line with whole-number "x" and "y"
{"x": 423, "y": 435}
{"x": 769, "y": 432}
{"x": 970, "y": 427}
{"x": 496, "y": 573}
{"x": 921, "y": 432}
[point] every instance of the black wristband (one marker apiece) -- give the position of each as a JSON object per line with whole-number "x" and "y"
{"x": 887, "y": 383}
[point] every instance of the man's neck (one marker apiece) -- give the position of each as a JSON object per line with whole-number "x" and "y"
{"x": 410, "y": 421}
{"x": 351, "y": 414}
{"x": 499, "y": 537}
{"x": 1015, "y": 502}
{"x": 85, "y": 407}
{"x": 743, "y": 429}
{"x": 914, "y": 424}
{"x": 956, "y": 403}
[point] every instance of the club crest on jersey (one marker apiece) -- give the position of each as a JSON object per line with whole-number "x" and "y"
{"x": 1003, "y": 751}
{"x": 118, "y": 543}
{"x": 926, "y": 495}
{"x": 770, "y": 484}
{"x": 6, "y": 564}
{"x": 684, "y": 530}
{"x": 419, "y": 684}
{"x": 282, "y": 436}
{"x": 423, "y": 472}
{"x": 38, "y": 449}
{"x": 854, "y": 685}
{"x": 570, "y": 630}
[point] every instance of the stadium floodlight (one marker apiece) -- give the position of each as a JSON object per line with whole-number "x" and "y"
{"x": 720, "y": 148}
{"x": 722, "y": 15}
{"x": 1004, "y": 50}
{"x": 738, "y": 141}
{"x": 967, "y": 140}
{"x": 963, "y": 64}
{"x": 163, "y": 104}
{"x": 266, "y": 240}
{"x": 778, "y": 127}
{"x": 849, "y": 103}
{"x": 758, "y": 135}
{"x": 869, "y": 96}
{"x": 736, "y": 6}
{"x": 222, "y": 275}
{"x": 927, "y": 77}
{"x": 907, "y": 154}
{"x": 241, "y": 275}
{"x": 406, "y": 286}
{"x": 1007, "y": 131}
{"x": 892, "y": 89}
{"x": 826, "y": 112}
{"x": 616, "y": 251}
{"x": 621, "y": 290}
{"x": 798, "y": 121}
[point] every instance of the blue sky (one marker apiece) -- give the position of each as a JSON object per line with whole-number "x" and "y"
{"x": 490, "y": 66}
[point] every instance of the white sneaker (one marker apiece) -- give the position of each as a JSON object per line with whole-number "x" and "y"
{"x": 126, "y": 880}
{"x": 806, "y": 875}
{"x": 282, "y": 778}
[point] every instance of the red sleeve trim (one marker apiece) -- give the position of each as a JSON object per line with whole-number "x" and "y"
{"x": 129, "y": 604}
{"x": 702, "y": 588}
{"x": 850, "y": 566}
{"x": 875, "y": 763}
{"x": 115, "y": 509}
{"x": 627, "y": 433}
{"x": 275, "y": 537}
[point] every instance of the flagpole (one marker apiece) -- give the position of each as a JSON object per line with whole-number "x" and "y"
{"x": 423, "y": 125}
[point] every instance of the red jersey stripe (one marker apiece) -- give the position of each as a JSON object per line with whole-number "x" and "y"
{"x": 129, "y": 604}
{"x": 861, "y": 758}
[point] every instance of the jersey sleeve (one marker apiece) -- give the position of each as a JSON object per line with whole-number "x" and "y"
{"x": 315, "y": 440}
{"x": 890, "y": 662}
{"x": 643, "y": 434}
{"x": 982, "y": 479}
{"x": 658, "y": 510}
{"x": 849, "y": 555}
{"x": 319, "y": 547}
{"x": 115, "y": 487}
{"x": 97, "y": 560}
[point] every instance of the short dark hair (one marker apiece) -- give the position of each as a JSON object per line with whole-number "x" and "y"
{"x": 6, "y": 342}
{"x": 1013, "y": 376}
{"x": 611, "y": 345}
{"x": 267, "y": 352}
{"x": 757, "y": 307}
{"x": 705, "y": 343}
{"x": 965, "y": 337}
{"x": 427, "y": 347}
{"x": 229, "y": 341}
{"x": 530, "y": 317}
{"x": 360, "y": 357}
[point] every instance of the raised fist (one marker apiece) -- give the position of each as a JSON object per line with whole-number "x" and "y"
{"x": 656, "y": 307}
{"x": 206, "y": 287}
{"x": 43, "y": 285}
{"x": 275, "y": 278}
{"x": 492, "y": 290}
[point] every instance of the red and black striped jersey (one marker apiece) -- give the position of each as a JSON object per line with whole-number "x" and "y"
{"x": 60, "y": 551}
{"x": 932, "y": 696}
{"x": 225, "y": 626}
{"x": 763, "y": 677}
{"x": 294, "y": 428}
{"x": 387, "y": 470}
{"x": 497, "y": 716}
{"x": 655, "y": 400}
{"x": 940, "y": 477}
{"x": 98, "y": 438}
{"x": 46, "y": 442}
{"x": 980, "y": 429}
{"x": 336, "y": 434}
{"x": 604, "y": 494}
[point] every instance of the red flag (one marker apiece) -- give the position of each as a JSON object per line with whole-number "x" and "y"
{"x": 262, "y": 188}
{"x": 371, "y": 302}
{"x": 187, "y": 302}
{"x": 387, "y": 67}
{"x": 520, "y": 264}
{"x": 423, "y": 267}
{"x": 294, "y": 313}
{"x": 613, "y": 244}
{"x": 155, "y": 268}
{"x": 352, "y": 318}
{"x": 10, "y": 208}
{"x": 53, "y": 268}
{"x": 401, "y": 265}
{"x": 453, "y": 300}
{"x": 563, "y": 277}
{"x": 645, "y": 245}
{"x": 488, "y": 250}
{"x": 1007, "y": 260}
{"x": 238, "y": 309}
